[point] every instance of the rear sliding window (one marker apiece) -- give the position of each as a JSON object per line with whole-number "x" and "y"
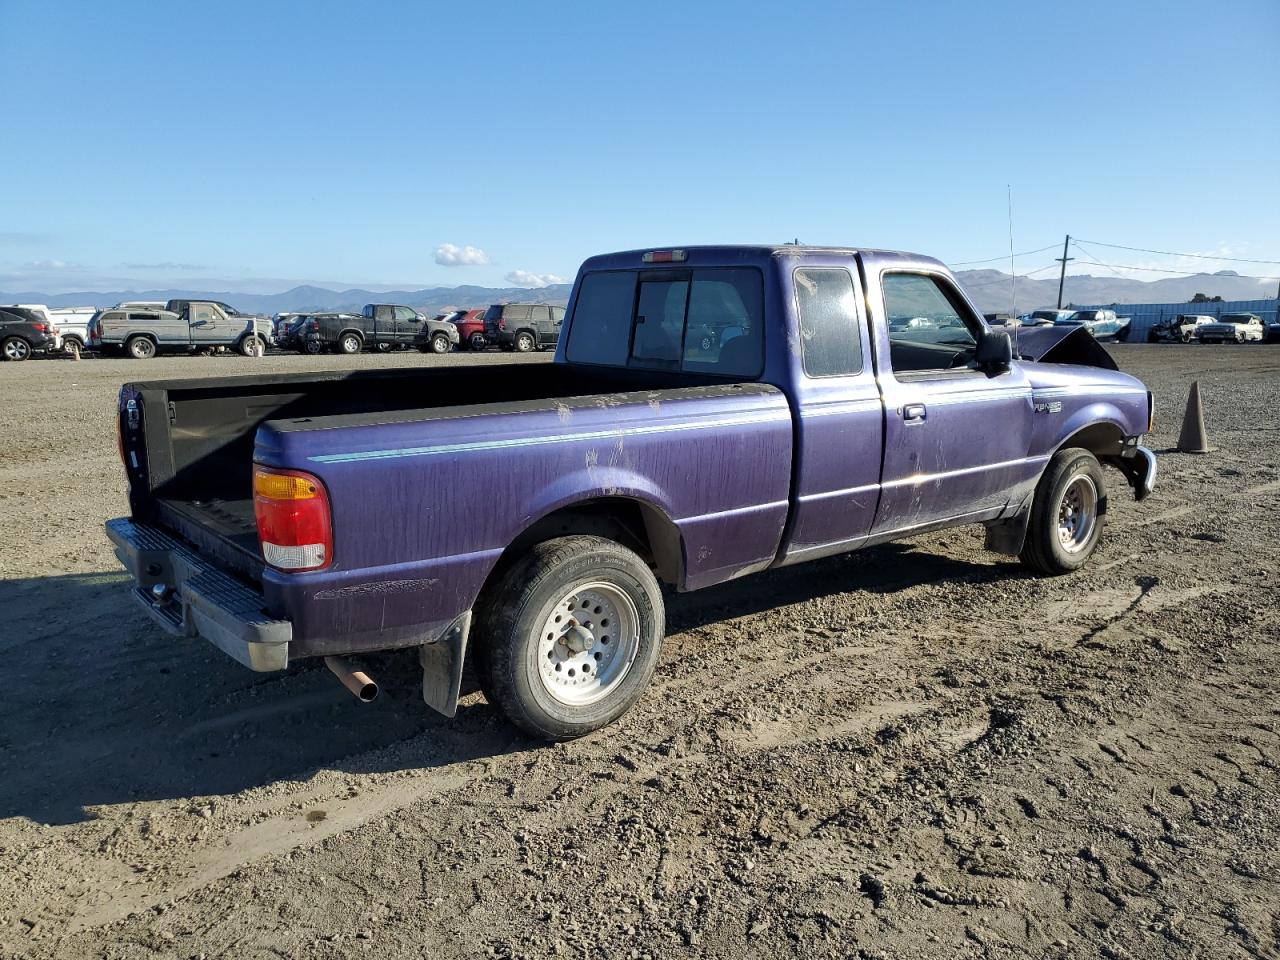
{"x": 707, "y": 320}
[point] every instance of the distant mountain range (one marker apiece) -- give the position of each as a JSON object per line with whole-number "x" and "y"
{"x": 990, "y": 289}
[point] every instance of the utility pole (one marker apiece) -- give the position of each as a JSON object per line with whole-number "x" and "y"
{"x": 1062, "y": 277}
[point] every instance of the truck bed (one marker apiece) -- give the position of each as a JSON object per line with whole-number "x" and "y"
{"x": 199, "y": 434}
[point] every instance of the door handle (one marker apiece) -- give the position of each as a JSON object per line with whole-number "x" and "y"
{"x": 914, "y": 413}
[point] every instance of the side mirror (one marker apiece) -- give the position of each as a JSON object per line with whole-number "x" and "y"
{"x": 994, "y": 351}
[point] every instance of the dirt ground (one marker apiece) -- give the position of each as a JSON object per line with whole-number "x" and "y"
{"x": 913, "y": 751}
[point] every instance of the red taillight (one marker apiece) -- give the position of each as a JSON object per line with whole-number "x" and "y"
{"x": 295, "y": 527}
{"x": 40, "y": 327}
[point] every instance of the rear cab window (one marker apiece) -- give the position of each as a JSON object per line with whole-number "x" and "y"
{"x": 698, "y": 320}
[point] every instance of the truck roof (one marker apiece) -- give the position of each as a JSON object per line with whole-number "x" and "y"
{"x": 720, "y": 254}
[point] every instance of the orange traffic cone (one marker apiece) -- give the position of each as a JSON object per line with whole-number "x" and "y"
{"x": 1193, "y": 439}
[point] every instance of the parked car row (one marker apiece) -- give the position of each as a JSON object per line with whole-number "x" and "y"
{"x": 390, "y": 326}
{"x": 1183, "y": 328}
{"x": 1229, "y": 328}
{"x": 142, "y": 329}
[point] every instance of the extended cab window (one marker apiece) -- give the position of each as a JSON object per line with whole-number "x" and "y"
{"x": 929, "y": 328}
{"x": 406, "y": 313}
{"x": 707, "y": 320}
{"x": 830, "y": 345}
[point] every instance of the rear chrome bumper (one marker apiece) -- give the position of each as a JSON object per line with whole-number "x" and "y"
{"x": 188, "y": 597}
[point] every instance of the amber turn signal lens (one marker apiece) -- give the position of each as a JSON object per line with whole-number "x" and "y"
{"x": 283, "y": 486}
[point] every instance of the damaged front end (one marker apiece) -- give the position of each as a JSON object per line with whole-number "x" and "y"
{"x": 1061, "y": 344}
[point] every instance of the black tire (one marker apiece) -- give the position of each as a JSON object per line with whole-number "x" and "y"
{"x": 440, "y": 343}
{"x": 476, "y": 342}
{"x": 140, "y": 348}
{"x": 382, "y": 346}
{"x": 524, "y": 342}
{"x": 1044, "y": 550}
{"x": 252, "y": 346}
{"x": 15, "y": 349}
{"x": 312, "y": 347}
{"x": 72, "y": 347}
{"x": 520, "y": 602}
{"x": 350, "y": 343}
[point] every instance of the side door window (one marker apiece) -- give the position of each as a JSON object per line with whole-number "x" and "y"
{"x": 541, "y": 317}
{"x": 930, "y": 331}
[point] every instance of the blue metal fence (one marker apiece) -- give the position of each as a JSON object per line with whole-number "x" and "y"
{"x": 1144, "y": 316}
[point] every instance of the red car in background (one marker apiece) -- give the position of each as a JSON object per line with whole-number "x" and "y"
{"x": 470, "y": 324}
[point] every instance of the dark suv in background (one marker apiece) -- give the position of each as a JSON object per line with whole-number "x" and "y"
{"x": 523, "y": 326}
{"x": 21, "y": 335}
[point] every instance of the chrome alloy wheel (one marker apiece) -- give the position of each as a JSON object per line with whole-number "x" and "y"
{"x": 588, "y": 644}
{"x": 1077, "y": 514}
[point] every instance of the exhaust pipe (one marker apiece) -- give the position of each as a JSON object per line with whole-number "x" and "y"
{"x": 357, "y": 681}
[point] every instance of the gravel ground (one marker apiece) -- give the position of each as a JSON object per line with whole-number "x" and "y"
{"x": 913, "y": 751}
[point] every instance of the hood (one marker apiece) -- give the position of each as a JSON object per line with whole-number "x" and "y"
{"x": 1061, "y": 344}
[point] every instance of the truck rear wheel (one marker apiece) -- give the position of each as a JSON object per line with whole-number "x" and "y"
{"x": 1066, "y": 514}
{"x": 140, "y": 348}
{"x": 349, "y": 343}
{"x": 571, "y": 633}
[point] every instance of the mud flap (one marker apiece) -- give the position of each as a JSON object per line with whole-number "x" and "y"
{"x": 442, "y": 666}
{"x": 1008, "y": 536}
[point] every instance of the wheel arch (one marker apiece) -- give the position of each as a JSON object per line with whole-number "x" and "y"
{"x": 1102, "y": 438}
{"x": 630, "y": 520}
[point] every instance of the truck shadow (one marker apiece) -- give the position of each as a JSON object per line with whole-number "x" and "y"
{"x": 102, "y": 708}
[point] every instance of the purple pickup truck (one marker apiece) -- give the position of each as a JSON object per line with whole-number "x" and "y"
{"x": 712, "y": 412}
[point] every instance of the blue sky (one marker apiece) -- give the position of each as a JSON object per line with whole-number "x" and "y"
{"x": 264, "y": 143}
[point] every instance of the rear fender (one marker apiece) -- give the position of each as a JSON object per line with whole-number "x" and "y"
{"x": 597, "y": 488}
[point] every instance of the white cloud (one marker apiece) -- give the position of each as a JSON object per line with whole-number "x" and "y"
{"x": 523, "y": 278}
{"x": 452, "y": 255}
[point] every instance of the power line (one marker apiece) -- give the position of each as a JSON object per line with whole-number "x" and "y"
{"x": 1091, "y": 258}
{"x": 1025, "y": 253}
{"x": 1020, "y": 276}
{"x": 1170, "y": 253}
